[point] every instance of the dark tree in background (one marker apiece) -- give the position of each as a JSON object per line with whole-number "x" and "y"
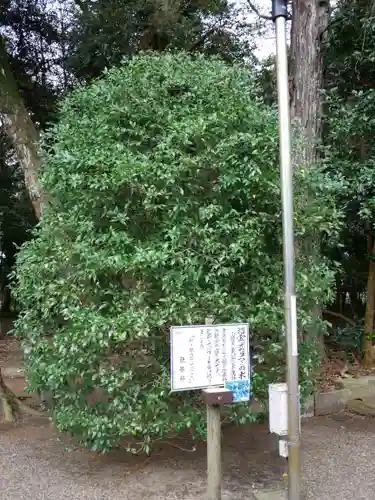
{"x": 349, "y": 133}
{"x": 16, "y": 216}
{"x": 105, "y": 31}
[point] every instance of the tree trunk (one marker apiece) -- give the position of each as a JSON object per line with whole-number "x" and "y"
{"x": 309, "y": 24}
{"x": 24, "y": 136}
{"x": 8, "y": 403}
{"x": 19, "y": 128}
{"x": 369, "y": 316}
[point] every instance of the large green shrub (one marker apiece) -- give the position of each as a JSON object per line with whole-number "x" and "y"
{"x": 164, "y": 207}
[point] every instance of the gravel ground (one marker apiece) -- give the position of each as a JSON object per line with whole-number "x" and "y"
{"x": 339, "y": 458}
{"x": 338, "y": 464}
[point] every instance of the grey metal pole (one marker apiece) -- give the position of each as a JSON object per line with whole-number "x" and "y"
{"x": 279, "y": 14}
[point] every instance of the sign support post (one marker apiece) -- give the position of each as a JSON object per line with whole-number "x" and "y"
{"x": 213, "y": 452}
{"x": 213, "y": 447}
{"x": 215, "y": 359}
{"x": 280, "y": 14}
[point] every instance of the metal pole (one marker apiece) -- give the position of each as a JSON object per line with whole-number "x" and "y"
{"x": 279, "y": 14}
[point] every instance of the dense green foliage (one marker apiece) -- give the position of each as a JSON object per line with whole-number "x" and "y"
{"x": 349, "y": 148}
{"x": 164, "y": 208}
{"x": 350, "y": 52}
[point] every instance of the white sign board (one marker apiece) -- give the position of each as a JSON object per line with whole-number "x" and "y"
{"x": 209, "y": 355}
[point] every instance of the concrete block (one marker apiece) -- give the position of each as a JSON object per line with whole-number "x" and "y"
{"x": 335, "y": 401}
{"x": 367, "y": 382}
{"x": 308, "y": 409}
{"x": 331, "y": 402}
{"x": 271, "y": 495}
{"x": 13, "y": 370}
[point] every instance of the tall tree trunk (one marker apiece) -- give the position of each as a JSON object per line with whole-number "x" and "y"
{"x": 8, "y": 402}
{"x": 19, "y": 128}
{"x": 23, "y": 134}
{"x": 309, "y": 24}
{"x": 370, "y": 306}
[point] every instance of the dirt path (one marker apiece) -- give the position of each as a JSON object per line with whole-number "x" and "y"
{"x": 338, "y": 463}
{"x": 34, "y": 463}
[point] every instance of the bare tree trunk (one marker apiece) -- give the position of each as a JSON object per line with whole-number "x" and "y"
{"x": 24, "y": 136}
{"x": 309, "y": 24}
{"x": 19, "y": 128}
{"x": 8, "y": 403}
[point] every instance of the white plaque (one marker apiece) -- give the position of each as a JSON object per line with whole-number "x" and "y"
{"x": 209, "y": 355}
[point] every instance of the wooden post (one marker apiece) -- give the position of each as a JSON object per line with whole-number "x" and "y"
{"x": 213, "y": 453}
{"x": 213, "y": 447}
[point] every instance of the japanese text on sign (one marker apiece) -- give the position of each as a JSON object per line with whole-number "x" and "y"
{"x": 209, "y": 355}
